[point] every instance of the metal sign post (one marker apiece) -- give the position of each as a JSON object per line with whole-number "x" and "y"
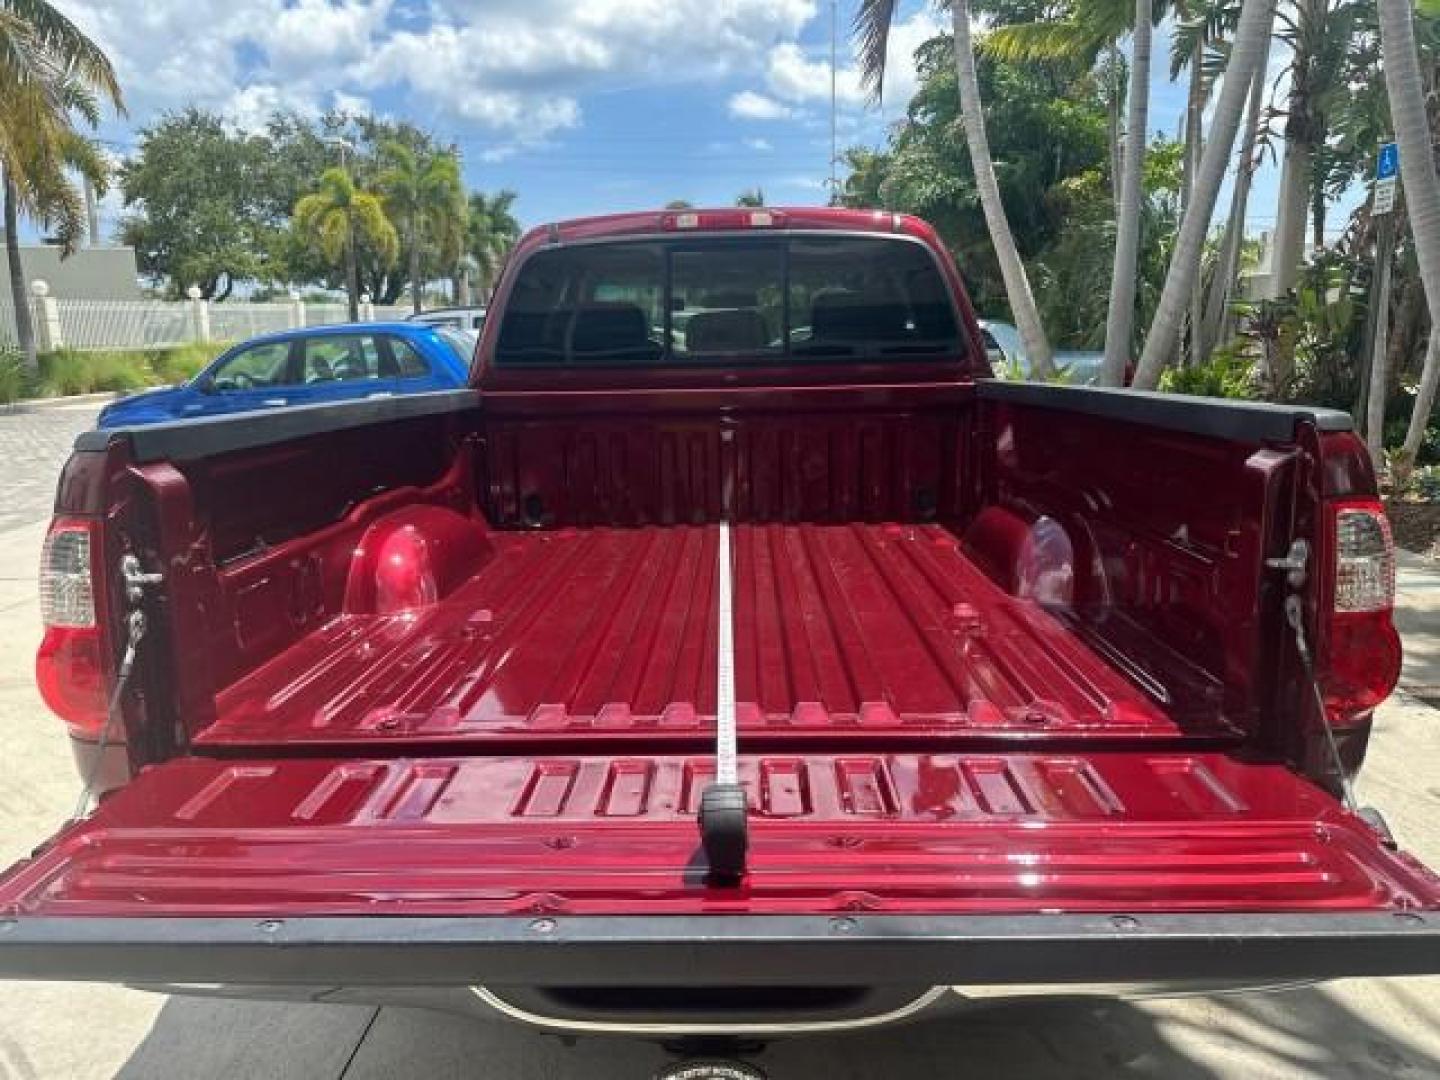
{"x": 1387, "y": 178}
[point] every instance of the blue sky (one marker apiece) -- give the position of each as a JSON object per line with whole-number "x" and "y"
{"x": 580, "y": 107}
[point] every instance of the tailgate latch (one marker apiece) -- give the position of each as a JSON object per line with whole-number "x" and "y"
{"x": 722, "y": 831}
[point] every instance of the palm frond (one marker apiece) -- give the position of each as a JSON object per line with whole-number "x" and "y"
{"x": 873, "y": 20}
{"x": 56, "y": 35}
{"x": 1060, "y": 39}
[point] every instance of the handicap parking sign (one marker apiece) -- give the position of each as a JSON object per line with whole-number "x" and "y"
{"x": 1388, "y": 166}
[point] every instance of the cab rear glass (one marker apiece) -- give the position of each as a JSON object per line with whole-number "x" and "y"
{"x": 714, "y": 300}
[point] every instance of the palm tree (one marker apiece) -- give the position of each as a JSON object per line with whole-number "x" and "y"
{"x": 50, "y": 72}
{"x": 1406, "y": 89}
{"x": 337, "y": 219}
{"x": 1227, "y": 267}
{"x": 873, "y": 22}
{"x": 491, "y": 232}
{"x": 1251, "y": 44}
{"x": 750, "y": 198}
{"x": 1120, "y": 320}
{"x": 1319, "y": 33}
{"x": 423, "y": 192}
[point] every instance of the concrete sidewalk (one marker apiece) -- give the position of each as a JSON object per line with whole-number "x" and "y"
{"x": 1417, "y": 615}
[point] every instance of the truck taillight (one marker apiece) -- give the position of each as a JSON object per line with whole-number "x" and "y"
{"x": 1364, "y": 560}
{"x": 1362, "y": 662}
{"x": 70, "y": 665}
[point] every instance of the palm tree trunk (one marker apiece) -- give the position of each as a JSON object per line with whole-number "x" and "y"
{"x": 19, "y": 287}
{"x": 1120, "y": 321}
{"x": 1214, "y": 326}
{"x": 1117, "y": 164}
{"x": 1294, "y": 207}
{"x": 352, "y": 269}
{"x": 1246, "y": 54}
{"x": 414, "y": 269}
{"x": 1017, "y": 282}
{"x": 1406, "y": 89}
{"x": 1194, "y": 146}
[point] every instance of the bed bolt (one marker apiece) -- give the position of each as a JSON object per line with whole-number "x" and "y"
{"x": 843, "y": 925}
{"x": 270, "y": 926}
{"x": 543, "y": 926}
{"x": 1124, "y": 922}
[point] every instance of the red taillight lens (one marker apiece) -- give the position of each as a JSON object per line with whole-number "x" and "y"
{"x": 70, "y": 667}
{"x": 1362, "y": 661}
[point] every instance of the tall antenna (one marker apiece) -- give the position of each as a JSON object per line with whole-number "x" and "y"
{"x": 834, "y": 63}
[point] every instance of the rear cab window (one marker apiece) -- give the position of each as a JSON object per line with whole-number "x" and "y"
{"x": 719, "y": 300}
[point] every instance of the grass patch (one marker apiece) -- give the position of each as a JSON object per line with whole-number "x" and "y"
{"x": 66, "y": 372}
{"x": 14, "y": 379}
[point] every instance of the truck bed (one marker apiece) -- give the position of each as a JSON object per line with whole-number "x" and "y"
{"x": 840, "y": 631}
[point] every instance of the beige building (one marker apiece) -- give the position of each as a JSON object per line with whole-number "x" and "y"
{"x": 92, "y": 273}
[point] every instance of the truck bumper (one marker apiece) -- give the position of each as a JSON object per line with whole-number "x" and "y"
{"x": 719, "y": 950}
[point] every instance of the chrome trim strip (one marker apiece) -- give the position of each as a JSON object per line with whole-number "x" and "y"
{"x": 802, "y": 1027}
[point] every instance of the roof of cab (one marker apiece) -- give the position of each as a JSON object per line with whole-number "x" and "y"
{"x": 726, "y": 219}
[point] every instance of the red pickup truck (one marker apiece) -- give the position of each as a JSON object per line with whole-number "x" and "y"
{"x": 733, "y": 657}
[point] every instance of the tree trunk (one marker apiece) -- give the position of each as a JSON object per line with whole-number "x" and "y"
{"x": 352, "y": 269}
{"x": 1120, "y": 321}
{"x": 414, "y": 269}
{"x": 1194, "y": 145}
{"x": 1294, "y": 207}
{"x": 19, "y": 287}
{"x": 1406, "y": 89}
{"x": 1215, "y": 325}
{"x": 1247, "y": 53}
{"x": 1017, "y": 282}
{"x": 1117, "y": 165}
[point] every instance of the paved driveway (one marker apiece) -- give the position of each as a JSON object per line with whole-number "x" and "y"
{"x": 1363, "y": 1028}
{"x": 34, "y": 442}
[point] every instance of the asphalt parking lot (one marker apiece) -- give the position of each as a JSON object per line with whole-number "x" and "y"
{"x": 1359, "y": 1028}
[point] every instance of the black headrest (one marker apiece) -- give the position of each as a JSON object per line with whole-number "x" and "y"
{"x": 603, "y": 328}
{"x": 736, "y": 331}
{"x": 848, "y": 316}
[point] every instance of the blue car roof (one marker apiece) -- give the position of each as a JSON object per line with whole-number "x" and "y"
{"x": 411, "y": 329}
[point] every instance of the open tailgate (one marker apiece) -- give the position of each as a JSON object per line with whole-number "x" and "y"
{"x": 865, "y": 868}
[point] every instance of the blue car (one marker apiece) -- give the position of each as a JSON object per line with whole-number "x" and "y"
{"x": 308, "y": 367}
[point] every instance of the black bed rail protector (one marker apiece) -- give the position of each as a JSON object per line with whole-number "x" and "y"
{"x": 839, "y": 950}
{"x": 203, "y": 437}
{"x": 1239, "y": 421}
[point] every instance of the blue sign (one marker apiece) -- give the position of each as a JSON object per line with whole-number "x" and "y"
{"x": 1388, "y": 167}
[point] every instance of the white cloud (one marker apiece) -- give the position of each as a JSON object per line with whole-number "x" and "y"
{"x": 763, "y": 146}
{"x": 516, "y": 68}
{"x": 748, "y": 105}
{"x": 795, "y": 78}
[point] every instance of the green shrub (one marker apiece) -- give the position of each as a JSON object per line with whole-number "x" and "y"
{"x": 1425, "y": 482}
{"x": 67, "y": 371}
{"x": 183, "y": 362}
{"x": 1228, "y": 375}
{"x": 14, "y": 379}
{"x": 1398, "y": 427}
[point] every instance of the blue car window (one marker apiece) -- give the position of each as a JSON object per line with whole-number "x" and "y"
{"x": 340, "y": 358}
{"x": 257, "y": 366}
{"x": 407, "y": 359}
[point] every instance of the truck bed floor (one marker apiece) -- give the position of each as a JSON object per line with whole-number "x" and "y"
{"x": 839, "y": 630}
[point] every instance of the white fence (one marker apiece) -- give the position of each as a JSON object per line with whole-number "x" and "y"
{"x": 107, "y": 324}
{"x": 140, "y": 324}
